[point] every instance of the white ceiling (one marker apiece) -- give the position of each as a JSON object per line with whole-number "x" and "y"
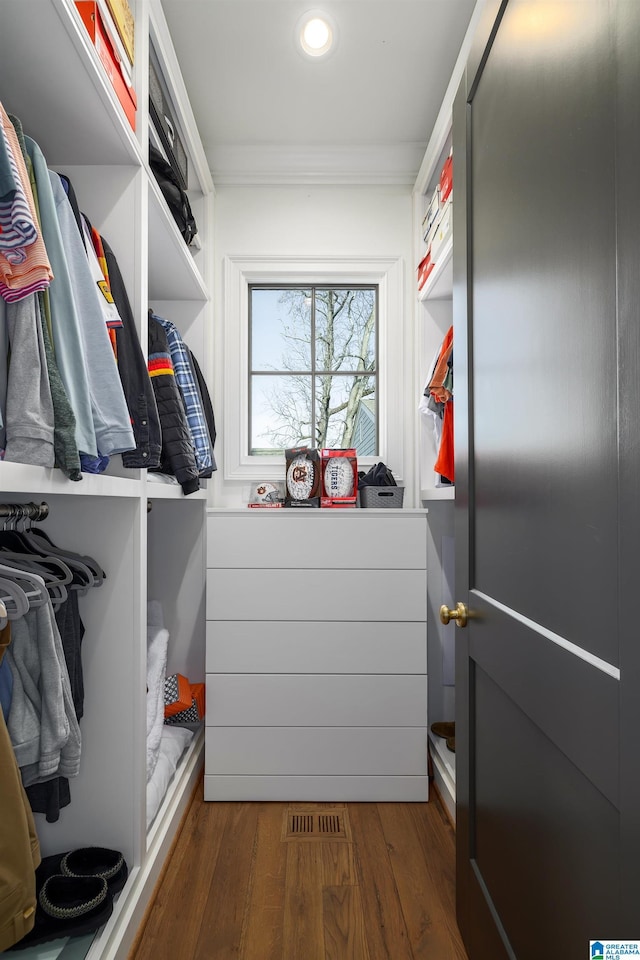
{"x": 267, "y": 113}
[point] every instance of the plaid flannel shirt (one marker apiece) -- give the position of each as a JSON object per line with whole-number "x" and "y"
{"x": 185, "y": 379}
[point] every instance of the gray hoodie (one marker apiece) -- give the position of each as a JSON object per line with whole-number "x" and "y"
{"x": 42, "y": 721}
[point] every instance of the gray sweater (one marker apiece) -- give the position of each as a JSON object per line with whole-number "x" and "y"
{"x": 42, "y": 721}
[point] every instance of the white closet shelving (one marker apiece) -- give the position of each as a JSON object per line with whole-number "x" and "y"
{"x": 434, "y": 307}
{"x": 434, "y": 302}
{"x": 52, "y": 79}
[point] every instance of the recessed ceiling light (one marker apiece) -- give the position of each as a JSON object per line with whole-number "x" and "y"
{"x": 316, "y": 34}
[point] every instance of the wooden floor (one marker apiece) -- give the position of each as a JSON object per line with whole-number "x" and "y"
{"x": 236, "y": 887}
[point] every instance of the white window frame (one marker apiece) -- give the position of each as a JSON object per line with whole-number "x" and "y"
{"x": 239, "y": 273}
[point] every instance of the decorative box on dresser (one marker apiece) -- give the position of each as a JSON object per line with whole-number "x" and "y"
{"x": 316, "y": 655}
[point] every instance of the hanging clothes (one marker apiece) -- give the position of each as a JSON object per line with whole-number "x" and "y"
{"x": 42, "y": 724}
{"x": 66, "y": 456}
{"x": 134, "y": 374}
{"x": 185, "y": 378}
{"x": 178, "y": 455}
{"x": 34, "y": 272}
{"x": 18, "y": 227}
{"x": 18, "y": 841}
{"x": 108, "y": 407}
{"x": 428, "y": 407}
{"x": 45, "y": 659}
{"x": 65, "y": 323}
{"x": 29, "y": 404}
{"x": 440, "y": 389}
{"x": 207, "y": 406}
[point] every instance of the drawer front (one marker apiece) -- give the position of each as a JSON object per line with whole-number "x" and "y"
{"x": 318, "y": 789}
{"x": 243, "y": 700}
{"x": 293, "y": 646}
{"x": 316, "y": 751}
{"x": 384, "y": 595}
{"x": 284, "y": 540}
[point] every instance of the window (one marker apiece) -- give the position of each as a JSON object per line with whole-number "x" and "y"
{"x": 313, "y": 368}
{"x": 251, "y": 359}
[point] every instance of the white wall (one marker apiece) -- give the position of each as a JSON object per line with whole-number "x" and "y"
{"x": 314, "y": 221}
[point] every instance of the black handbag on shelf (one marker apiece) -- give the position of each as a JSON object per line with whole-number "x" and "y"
{"x": 174, "y": 194}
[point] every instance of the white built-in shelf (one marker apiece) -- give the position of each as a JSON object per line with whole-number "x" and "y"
{"x": 173, "y": 274}
{"x": 35, "y": 481}
{"x": 439, "y": 285}
{"x": 171, "y": 491}
{"x": 80, "y": 89}
{"x": 438, "y": 493}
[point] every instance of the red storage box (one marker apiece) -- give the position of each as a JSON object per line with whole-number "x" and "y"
{"x": 88, "y": 10}
{"x": 446, "y": 180}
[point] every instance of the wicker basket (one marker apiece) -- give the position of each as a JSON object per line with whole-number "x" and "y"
{"x": 378, "y": 497}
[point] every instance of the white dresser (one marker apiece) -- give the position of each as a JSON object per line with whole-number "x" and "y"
{"x": 316, "y": 655}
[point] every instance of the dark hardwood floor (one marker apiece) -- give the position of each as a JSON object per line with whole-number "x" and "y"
{"x": 236, "y": 887}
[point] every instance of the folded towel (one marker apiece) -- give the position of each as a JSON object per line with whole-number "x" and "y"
{"x": 157, "y": 643}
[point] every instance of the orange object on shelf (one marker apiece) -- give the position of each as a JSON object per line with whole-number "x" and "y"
{"x": 88, "y": 10}
{"x": 177, "y": 694}
{"x": 197, "y": 694}
{"x": 425, "y": 267}
{"x": 446, "y": 180}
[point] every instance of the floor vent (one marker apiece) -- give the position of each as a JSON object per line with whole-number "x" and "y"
{"x": 301, "y": 824}
{"x": 316, "y": 825}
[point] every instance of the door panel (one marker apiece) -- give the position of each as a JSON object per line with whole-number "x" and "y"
{"x": 572, "y": 702}
{"x": 537, "y": 810}
{"x": 543, "y": 125}
{"x": 544, "y": 332}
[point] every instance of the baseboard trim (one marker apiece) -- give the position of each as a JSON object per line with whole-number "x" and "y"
{"x": 442, "y": 782}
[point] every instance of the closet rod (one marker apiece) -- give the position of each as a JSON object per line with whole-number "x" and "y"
{"x": 27, "y": 511}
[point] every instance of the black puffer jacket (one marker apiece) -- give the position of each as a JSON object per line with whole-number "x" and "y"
{"x": 178, "y": 456}
{"x": 134, "y": 376}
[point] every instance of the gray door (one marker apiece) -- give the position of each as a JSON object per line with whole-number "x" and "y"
{"x": 547, "y": 428}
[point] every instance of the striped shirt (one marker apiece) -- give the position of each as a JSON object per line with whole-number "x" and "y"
{"x": 17, "y": 228}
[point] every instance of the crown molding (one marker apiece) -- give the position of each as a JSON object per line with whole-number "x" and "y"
{"x": 364, "y": 164}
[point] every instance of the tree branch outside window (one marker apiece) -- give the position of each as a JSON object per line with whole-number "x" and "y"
{"x": 313, "y": 368}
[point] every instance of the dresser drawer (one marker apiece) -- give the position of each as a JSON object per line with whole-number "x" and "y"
{"x": 294, "y": 646}
{"x": 252, "y": 700}
{"x": 384, "y": 595}
{"x": 316, "y": 751}
{"x": 329, "y": 538}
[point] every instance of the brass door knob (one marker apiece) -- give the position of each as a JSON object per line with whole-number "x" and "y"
{"x": 460, "y": 614}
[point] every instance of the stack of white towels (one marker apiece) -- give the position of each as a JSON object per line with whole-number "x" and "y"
{"x": 165, "y": 744}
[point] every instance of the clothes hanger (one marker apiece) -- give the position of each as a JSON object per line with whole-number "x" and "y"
{"x": 33, "y": 540}
{"x": 15, "y": 600}
{"x": 23, "y": 568}
{"x": 83, "y": 576}
{"x": 95, "y": 570}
